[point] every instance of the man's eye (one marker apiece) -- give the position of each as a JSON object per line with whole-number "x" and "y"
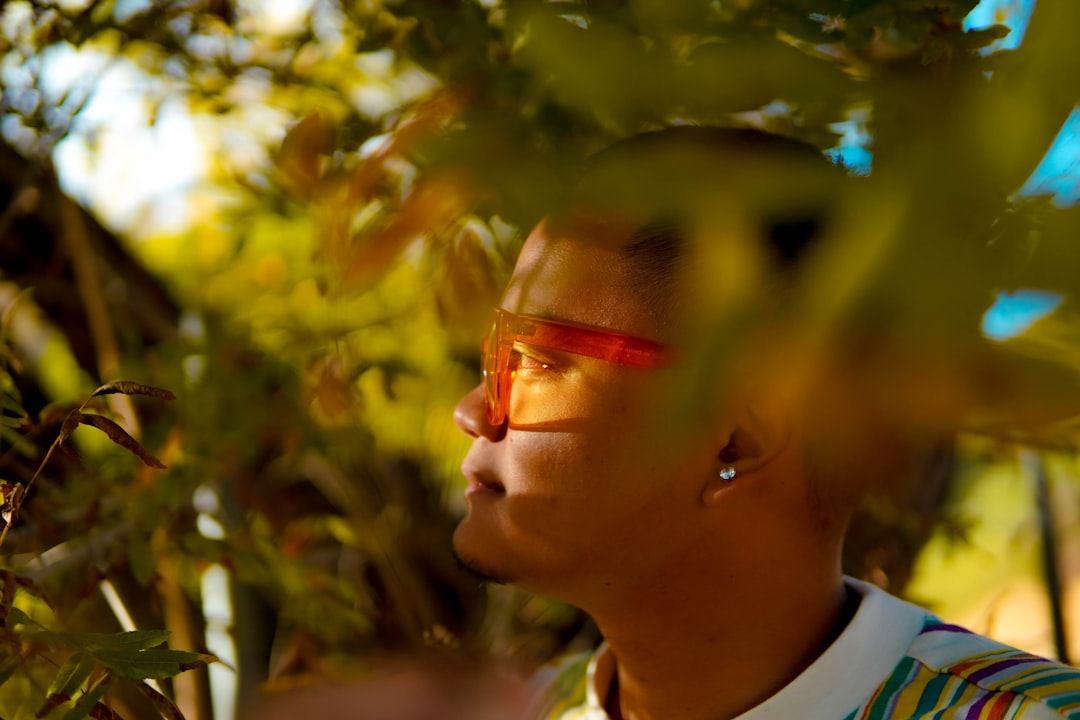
{"x": 524, "y": 362}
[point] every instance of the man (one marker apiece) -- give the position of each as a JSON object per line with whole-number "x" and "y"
{"x": 702, "y": 530}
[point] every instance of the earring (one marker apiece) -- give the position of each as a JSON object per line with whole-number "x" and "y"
{"x": 727, "y": 473}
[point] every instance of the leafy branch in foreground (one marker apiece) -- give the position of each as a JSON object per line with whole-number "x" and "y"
{"x": 87, "y": 666}
{"x": 95, "y": 661}
{"x": 12, "y": 495}
{"x": 99, "y": 660}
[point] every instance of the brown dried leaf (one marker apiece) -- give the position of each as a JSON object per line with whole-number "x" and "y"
{"x": 70, "y": 423}
{"x": 165, "y": 707}
{"x": 434, "y": 204}
{"x": 126, "y": 387}
{"x": 70, "y": 452}
{"x": 466, "y": 284}
{"x": 428, "y": 118}
{"x": 120, "y": 436}
{"x": 202, "y": 659}
{"x": 26, "y": 584}
{"x": 102, "y": 711}
{"x": 51, "y": 703}
{"x": 11, "y": 497}
{"x": 301, "y": 150}
{"x": 425, "y": 120}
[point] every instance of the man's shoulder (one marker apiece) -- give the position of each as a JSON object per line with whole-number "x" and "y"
{"x": 971, "y": 668}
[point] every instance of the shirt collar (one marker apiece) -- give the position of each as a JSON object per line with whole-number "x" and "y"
{"x": 839, "y": 681}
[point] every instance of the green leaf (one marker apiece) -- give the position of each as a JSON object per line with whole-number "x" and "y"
{"x": 86, "y": 703}
{"x": 72, "y": 675}
{"x": 132, "y": 655}
{"x": 152, "y": 664}
{"x": 15, "y": 616}
{"x": 96, "y": 643}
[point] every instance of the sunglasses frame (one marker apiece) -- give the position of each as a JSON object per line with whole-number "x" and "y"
{"x": 508, "y": 328}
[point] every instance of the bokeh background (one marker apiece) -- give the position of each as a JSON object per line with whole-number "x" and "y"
{"x": 296, "y": 214}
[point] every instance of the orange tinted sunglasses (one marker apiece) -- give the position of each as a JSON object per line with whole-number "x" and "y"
{"x": 508, "y": 328}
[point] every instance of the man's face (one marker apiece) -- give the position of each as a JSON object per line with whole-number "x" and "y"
{"x": 591, "y": 497}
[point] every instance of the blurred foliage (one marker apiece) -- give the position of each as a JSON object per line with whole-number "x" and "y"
{"x": 319, "y": 317}
{"x": 74, "y": 670}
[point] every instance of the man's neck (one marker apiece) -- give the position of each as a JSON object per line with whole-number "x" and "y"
{"x": 714, "y": 655}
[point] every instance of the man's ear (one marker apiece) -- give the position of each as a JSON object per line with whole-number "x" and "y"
{"x": 760, "y": 436}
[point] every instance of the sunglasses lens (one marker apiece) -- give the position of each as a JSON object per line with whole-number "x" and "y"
{"x": 525, "y": 380}
{"x": 492, "y": 372}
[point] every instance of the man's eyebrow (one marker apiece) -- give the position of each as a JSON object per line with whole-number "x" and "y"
{"x": 657, "y": 237}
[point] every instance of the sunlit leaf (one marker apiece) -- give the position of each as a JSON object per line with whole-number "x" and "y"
{"x": 89, "y": 701}
{"x": 70, "y": 677}
{"x": 15, "y": 616}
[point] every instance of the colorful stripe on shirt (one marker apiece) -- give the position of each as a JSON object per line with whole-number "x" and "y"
{"x": 950, "y": 672}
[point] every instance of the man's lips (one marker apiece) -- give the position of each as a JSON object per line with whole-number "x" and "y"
{"x": 479, "y": 482}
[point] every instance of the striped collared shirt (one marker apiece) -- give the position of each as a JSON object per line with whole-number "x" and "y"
{"x": 894, "y": 661}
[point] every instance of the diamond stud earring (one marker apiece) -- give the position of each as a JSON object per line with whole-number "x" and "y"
{"x": 727, "y": 473}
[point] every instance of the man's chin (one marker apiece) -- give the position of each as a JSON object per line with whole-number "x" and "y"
{"x": 470, "y": 561}
{"x": 475, "y": 568}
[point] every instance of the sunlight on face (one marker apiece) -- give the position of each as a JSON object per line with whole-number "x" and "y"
{"x": 581, "y": 499}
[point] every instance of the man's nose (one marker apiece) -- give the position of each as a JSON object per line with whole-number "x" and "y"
{"x": 471, "y": 416}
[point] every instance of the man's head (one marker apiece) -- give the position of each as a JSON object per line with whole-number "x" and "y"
{"x": 584, "y": 491}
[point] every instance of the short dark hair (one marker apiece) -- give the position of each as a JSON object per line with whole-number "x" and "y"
{"x": 788, "y": 231}
{"x": 657, "y": 244}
